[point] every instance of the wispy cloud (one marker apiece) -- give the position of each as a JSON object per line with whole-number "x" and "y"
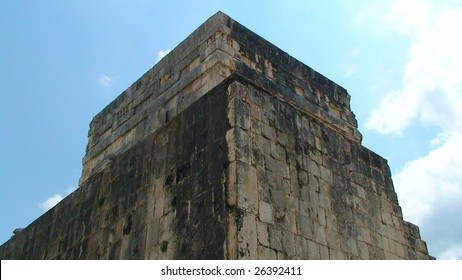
{"x": 349, "y": 71}
{"x": 50, "y": 202}
{"x": 432, "y": 84}
{"x": 431, "y": 179}
{"x": 105, "y": 80}
{"x": 429, "y": 187}
{"x": 70, "y": 189}
{"x": 439, "y": 139}
{"x": 430, "y": 193}
{"x": 162, "y": 53}
{"x": 55, "y": 199}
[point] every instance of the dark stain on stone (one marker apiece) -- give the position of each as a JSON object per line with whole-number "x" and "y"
{"x": 173, "y": 202}
{"x": 169, "y": 180}
{"x": 128, "y": 225}
{"x": 182, "y": 171}
{"x": 239, "y": 218}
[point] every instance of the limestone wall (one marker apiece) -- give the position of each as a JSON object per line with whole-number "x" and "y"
{"x": 304, "y": 191}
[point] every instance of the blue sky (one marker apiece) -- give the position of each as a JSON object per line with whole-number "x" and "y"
{"x": 61, "y": 62}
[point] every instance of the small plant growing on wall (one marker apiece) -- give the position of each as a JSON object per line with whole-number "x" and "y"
{"x": 101, "y": 202}
{"x": 163, "y": 246}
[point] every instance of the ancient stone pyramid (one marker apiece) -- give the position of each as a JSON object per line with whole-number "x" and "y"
{"x": 228, "y": 148}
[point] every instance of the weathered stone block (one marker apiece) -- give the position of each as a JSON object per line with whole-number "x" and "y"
{"x": 324, "y": 252}
{"x": 313, "y": 169}
{"x": 336, "y": 254}
{"x": 267, "y": 131}
{"x": 247, "y": 189}
{"x": 265, "y": 253}
{"x": 306, "y": 227}
{"x": 278, "y": 152}
{"x": 313, "y": 250}
{"x": 320, "y": 235}
{"x": 275, "y": 237}
{"x": 262, "y": 234}
{"x": 247, "y": 238}
{"x": 290, "y": 222}
{"x": 288, "y": 243}
{"x": 265, "y": 212}
{"x": 326, "y": 174}
{"x": 333, "y": 240}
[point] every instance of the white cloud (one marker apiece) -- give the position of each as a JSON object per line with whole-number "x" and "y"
{"x": 453, "y": 253}
{"x": 370, "y": 13}
{"x": 430, "y": 193}
{"x": 349, "y": 71}
{"x": 70, "y": 189}
{"x": 162, "y": 53}
{"x": 429, "y": 188}
{"x": 105, "y": 80}
{"x": 55, "y": 199}
{"x": 431, "y": 179}
{"x": 439, "y": 139}
{"x": 432, "y": 84}
{"x": 50, "y": 202}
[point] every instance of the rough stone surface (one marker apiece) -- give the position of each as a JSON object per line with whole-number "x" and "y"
{"x": 228, "y": 148}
